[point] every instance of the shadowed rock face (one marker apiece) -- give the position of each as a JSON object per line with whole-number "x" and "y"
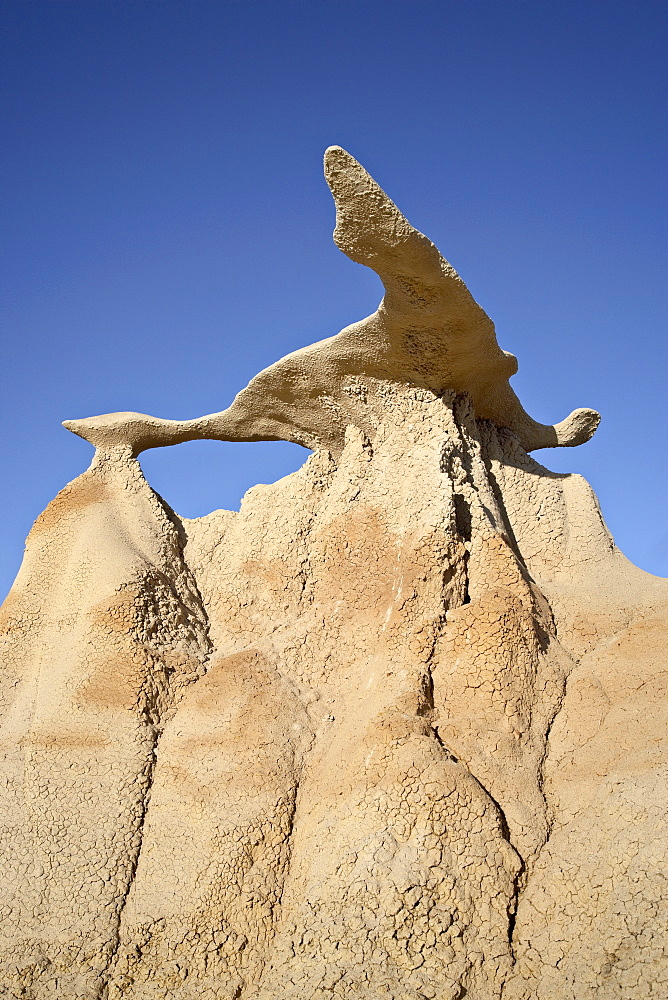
{"x": 391, "y": 731}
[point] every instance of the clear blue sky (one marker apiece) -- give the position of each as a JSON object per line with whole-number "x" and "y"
{"x": 167, "y": 231}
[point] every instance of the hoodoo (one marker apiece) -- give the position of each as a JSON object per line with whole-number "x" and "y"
{"x": 393, "y": 731}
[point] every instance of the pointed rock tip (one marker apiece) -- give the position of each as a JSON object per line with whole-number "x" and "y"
{"x": 108, "y": 429}
{"x": 75, "y": 426}
{"x": 336, "y": 152}
{"x": 103, "y": 421}
{"x": 337, "y": 158}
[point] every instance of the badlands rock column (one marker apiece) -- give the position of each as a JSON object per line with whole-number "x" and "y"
{"x": 391, "y": 731}
{"x": 103, "y": 629}
{"x": 345, "y": 859}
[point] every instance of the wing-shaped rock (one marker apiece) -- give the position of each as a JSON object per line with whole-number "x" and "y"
{"x": 427, "y": 332}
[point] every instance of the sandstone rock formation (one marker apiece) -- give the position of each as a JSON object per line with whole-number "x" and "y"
{"x": 393, "y": 730}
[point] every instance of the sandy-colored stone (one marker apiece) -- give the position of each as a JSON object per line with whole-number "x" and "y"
{"x": 394, "y": 730}
{"x": 428, "y": 331}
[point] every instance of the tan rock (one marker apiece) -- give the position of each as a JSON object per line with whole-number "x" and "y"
{"x": 394, "y": 730}
{"x": 428, "y": 331}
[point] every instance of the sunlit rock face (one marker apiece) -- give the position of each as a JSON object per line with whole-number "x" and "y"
{"x": 393, "y": 730}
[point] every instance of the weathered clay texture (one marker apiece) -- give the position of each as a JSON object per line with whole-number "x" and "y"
{"x": 394, "y": 730}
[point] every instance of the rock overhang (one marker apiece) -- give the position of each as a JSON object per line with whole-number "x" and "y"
{"x": 428, "y": 332}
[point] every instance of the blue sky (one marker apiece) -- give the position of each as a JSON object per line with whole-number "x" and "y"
{"x": 167, "y": 230}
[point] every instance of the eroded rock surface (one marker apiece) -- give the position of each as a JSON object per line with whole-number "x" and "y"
{"x": 428, "y": 331}
{"x": 394, "y": 730}
{"x": 104, "y": 629}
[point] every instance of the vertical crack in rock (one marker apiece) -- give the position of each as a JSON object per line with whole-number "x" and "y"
{"x": 498, "y": 580}
{"x": 164, "y": 596}
{"x": 520, "y": 874}
{"x": 133, "y": 869}
{"x": 463, "y": 485}
{"x": 549, "y": 808}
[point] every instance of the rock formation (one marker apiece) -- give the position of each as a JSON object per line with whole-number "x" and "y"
{"x": 393, "y": 730}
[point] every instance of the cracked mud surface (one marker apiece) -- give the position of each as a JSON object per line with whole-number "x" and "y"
{"x": 391, "y": 731}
